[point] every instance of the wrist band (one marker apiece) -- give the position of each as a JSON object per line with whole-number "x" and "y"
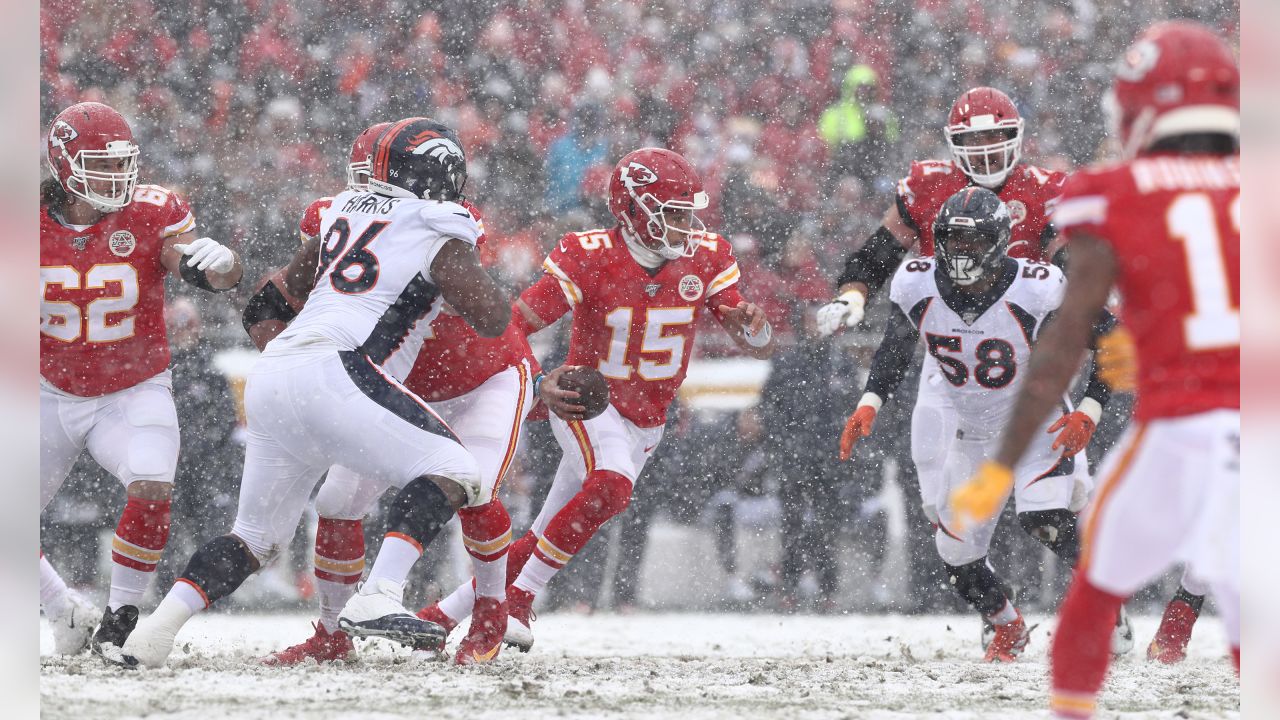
{"x": 761, "y": 338}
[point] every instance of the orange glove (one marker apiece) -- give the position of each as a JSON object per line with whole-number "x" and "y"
{"x": 983, "y": 496}
{"x": 856, "y": 427}
{"x": 1077, "y": 427}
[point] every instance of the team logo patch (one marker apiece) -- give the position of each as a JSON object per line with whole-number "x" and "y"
{"x": 1017, "y": 211}
{"x": 652, "y": 289}
{"x": 122, "y": 243}
{"x": 62, "y": 133}
{"x": 690, "y": 287}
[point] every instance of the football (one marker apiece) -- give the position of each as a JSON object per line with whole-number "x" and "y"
{"x": 591, "y": 385}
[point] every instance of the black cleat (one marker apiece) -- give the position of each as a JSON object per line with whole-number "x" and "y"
{"x": 112, "y": 632}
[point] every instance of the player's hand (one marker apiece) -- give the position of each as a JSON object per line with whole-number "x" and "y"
{"x": 856, "y": 427}
{"x": 981, "y": 497}
{"x": 845, "y": 310}
{"x": 747, "y": 317}
{"x": 560, "y": 400}
{"x": 208, "y": 254}
{"x": 1074, "y": 431}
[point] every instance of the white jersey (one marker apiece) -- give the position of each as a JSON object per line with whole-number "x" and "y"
{"x": 981, "y": 348}
{"x": 374, "y": 292}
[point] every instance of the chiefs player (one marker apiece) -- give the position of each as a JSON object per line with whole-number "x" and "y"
{"x": 1164, "y": 227}
{"x": 636, "y": 292}
{"x": 105, "y": 246}
{"x": 482, "y": 387}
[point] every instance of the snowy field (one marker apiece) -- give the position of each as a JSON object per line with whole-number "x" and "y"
{"x": 647, "y": 665}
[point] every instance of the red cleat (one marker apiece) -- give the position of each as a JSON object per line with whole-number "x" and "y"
{"x": 433, "y": 613}
{"x": 484, "y": 639}
{"x": 1009, "y": 642}
{"x": 520, "y": 617}
{"x": 321, "y": 647}
{"x": 1169, "y": 646}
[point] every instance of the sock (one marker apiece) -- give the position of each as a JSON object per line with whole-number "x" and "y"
{"x": 191, "y": 597}
{"x": 1235, "y": 657}
{"x": 1081, "y": 648}
{"x": 1196, "y": 601}
{"x": 338, "y": 565}
{"x": 603, "y": 495}
{"x": 519, "y": 554}
{"x": 395, "y": 559}
{"x": 140, "y": 538}
{"x": 53, "y": 591}
{"x": 1006, "y": 615}
{"x": 460, "y": 602}
{"x": 486, "y": 533}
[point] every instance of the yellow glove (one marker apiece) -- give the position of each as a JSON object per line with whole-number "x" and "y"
{"x": 981, "y": 498}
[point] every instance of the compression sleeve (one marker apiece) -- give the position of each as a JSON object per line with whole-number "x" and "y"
{"x": 893, "y": 357}
{"x": 875, "y": 262}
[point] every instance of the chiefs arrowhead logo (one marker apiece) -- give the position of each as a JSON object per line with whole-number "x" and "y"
{"x": 62, "y": 133}
{"x": 635, "y": 175}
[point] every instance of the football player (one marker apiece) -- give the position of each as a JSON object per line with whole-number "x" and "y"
{"x": 978, "y": 313}
{"x": 636, "y": 291}
{"x": 324, "y": 392}
{"x": 106, "y": 244}
{"x": 985, "y": 133}
{"x": 481, "y": 387}
{"x": 1163, "y": 226}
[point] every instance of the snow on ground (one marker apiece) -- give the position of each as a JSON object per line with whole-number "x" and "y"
{"x": 646, "y": 665}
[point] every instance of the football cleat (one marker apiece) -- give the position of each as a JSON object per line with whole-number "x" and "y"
{"x": 1169, "y": 646}
{"x": 520, "y": 617}
{"x": 1122, "y": 635}
{"x": 433, "y": 613}
{"x": 484, "y": 639}
{"x": 1009, "y": 641}
{"x": 377, "y": 610}
{"x": 322, "y": 647}
{"x": 74, "y": 627}
{"x": 152, "y": 641}
{"x": 113, "y": 631}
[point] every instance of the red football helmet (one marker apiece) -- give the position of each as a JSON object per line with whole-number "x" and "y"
{"x": 1177, "y": 78}
{"x": 85, "y": 143}
{"x": 646, "y": 185}
{"x": 361, "y": 150}
{"x": 984, "y": 132}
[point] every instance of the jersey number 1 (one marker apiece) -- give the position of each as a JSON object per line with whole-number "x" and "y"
{"x": 1215, "y": 319}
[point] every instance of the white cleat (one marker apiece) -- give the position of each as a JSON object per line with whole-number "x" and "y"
{"x": 152, "y": 640}
{"x": 73, "y": 628}
{"x": 377, "y": 610}
{"x": 1122, "y": 635}
{"x": 518, "y": 635}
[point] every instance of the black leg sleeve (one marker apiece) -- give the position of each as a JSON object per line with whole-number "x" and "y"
{"x": 978, "y": 584}
{"x": 219, "y": 567}
{"x": 873, "y": 263}
{"x": 419, "y": 511}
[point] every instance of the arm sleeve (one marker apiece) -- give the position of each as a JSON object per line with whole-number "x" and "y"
{"x": 874, "y": 262}
{"x": 893, "y": 357}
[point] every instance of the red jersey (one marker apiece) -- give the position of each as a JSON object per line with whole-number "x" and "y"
{"x": 1173, "y": 222}
{"x": 1029, "y": 192}
{"x": 454, "y": 359}
{"x": 636, "y": 328}
{"x": 102, "y": 295}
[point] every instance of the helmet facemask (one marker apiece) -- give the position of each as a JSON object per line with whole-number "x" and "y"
{"x": 82, "y": 179}
{"x": 670, "y": 239}
{"x": 358, "y": 175}
{"x": 967, "y": 254}
{"x": 986, "y": 163}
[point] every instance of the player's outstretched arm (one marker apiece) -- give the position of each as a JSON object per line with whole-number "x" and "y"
{"x": 540, "y": 305}
{"x": 749, "y": 327}
{"x": 281, "y": 295}
{"x": 888, "y": 368}
{"x": 1057, "y": 356}
{"x": 470, "y": 290}
{"x": 203, "y": 262}
{"x": 866, "y": 270}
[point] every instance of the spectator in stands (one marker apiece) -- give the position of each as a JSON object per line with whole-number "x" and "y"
{"x": 857, "y": 128}
{"x": 584, "y": 144}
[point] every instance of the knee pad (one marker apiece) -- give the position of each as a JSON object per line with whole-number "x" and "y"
{"x": 152, "y": 452}
{"x": 343, "y": 497}
{"x": 419, "y": 510}
{"x": 220, "y": 566}
{"x": 609, "y": 492}
{"x": 978, "y": 584}
{"x": 1055, "y": 529}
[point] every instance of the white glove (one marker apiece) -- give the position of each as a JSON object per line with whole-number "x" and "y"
{"x": 846, "y": 309}
{"x": 208, "y": 254}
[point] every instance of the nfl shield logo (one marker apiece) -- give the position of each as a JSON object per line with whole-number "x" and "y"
{"x": 652, "y": 289}
{"x": 80, "y": 242}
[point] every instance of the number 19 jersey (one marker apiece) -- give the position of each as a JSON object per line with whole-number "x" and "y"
{"x": 374, "y": 292}
{"x": 981, "y": 347}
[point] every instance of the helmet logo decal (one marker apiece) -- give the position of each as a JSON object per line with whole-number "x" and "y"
{"x": 62, "y": 133}
{"x": 635, "y": 175}
{"x": 1138, "y": 61}
{"x": 690, "y": 287}
{"x": 434, "y": 145}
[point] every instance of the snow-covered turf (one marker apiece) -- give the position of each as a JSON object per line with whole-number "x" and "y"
{"x": 660, "y": 665}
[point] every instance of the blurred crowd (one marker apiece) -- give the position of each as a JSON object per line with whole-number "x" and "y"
{"x": 800, "y": 115}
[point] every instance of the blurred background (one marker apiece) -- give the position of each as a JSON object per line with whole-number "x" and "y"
{"x": 800, "y": 115}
